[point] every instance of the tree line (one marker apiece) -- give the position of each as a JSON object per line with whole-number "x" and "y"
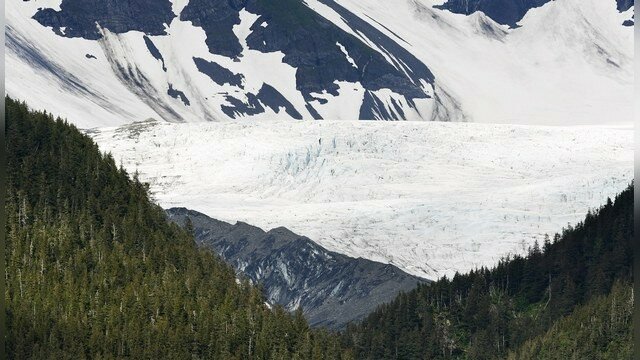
{"x": 491, "y": 313}
{"x": 94, "y": 270}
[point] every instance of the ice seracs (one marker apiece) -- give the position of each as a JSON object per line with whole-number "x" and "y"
{"x": 432, "y": 198}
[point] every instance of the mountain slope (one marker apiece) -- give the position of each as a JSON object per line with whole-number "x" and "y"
{"x": 487, "y": 313}
{"x": 507, "y": 12}
{"x": 502, "y": 11}
{"x": 331, "y": 288}
{"x": 94, "y": 269}
{"x": 413, "y": 59}
{"x": 567, "y": 62}
{"x": 310, "y": 60}
{"x": 600, "y": 329}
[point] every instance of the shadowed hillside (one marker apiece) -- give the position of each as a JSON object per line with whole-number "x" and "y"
{"x": 94, "y": 269}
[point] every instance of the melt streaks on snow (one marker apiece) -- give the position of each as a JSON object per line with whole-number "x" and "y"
{"x": 570, "y": 62}
{"x": 63, "y": 59}
{"x": 431, "y": 198}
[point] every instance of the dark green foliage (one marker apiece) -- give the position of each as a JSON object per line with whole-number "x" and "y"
{"x": 488, "y": 312}
{"x": 601, "y": 329}
{"x": 94, "y": 270}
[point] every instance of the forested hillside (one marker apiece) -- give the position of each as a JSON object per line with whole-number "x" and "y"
{"x": 601, "y": 329}
{"x": 294, "y": 271}
{"x": 94, "y": 270}
{"x": 489, "y": 312}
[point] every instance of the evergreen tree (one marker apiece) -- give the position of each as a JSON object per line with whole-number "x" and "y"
{"x": 94, "y": 269}
{"x": 489, "y": 313}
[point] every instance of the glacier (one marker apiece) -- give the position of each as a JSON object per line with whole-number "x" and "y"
{"x": 432, "y": 198}
{"x": 534, "y": 114}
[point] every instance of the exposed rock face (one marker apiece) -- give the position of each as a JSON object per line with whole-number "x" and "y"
{"x": 380, "y": 76}
{"x": 333, "y": 289}
{"x": 322, "y": 53}
{"x": 216, "y": 18}
{"x": 177, "y": 94}
{"x": 79, "y": 17}
{"x": 217, "y": 73}
{"x": 505, "y": 12}
{"x": 268, "y": 96}
{"x": 309, "y": 44}
{"x": 624, "y": 5}
{"x": 154, "y": 51}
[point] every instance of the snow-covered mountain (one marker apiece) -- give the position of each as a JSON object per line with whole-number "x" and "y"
{"x": 531, "y": 61}
{"x": 432, "y": 198}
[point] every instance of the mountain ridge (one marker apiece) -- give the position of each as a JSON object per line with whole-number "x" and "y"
{"x": 312, "y": 45}
{"x": 332, "y": 289}
{"x": 417, "y": 60}
{"x": 95, "y": 270}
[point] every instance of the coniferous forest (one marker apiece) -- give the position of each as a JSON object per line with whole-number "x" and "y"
{"x": 95, "y": 271}
{"x": 514, "y": 307}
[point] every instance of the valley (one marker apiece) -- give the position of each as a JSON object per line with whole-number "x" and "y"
{"x": 431, "y": 198}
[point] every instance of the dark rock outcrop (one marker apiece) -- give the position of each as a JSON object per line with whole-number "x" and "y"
{"x": 217, "y": 73}
{"x": 333, "y": 289}
{"x": 177, "y": 94}
{"x": 216, "y": 18}
{"x": 505, "y": 12}
{"x": 624, "y": 5}
{"x": 154, "y": 51}
{"x": 268, "y": 96}
{"x": 272, "y": 98}
{"x": 309, "y": 43}
{"x": 79, "y": 17}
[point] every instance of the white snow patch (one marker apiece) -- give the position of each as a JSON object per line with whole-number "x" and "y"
{"x": 346, "y": 53}
{"x": 178, "y": 6}
{"x": 344, "y": 106}
{"x": 570, "y": 62}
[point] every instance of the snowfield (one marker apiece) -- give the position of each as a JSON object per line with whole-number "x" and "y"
{"x": 432, "y": 198}
{"x": 569, "y": 63}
